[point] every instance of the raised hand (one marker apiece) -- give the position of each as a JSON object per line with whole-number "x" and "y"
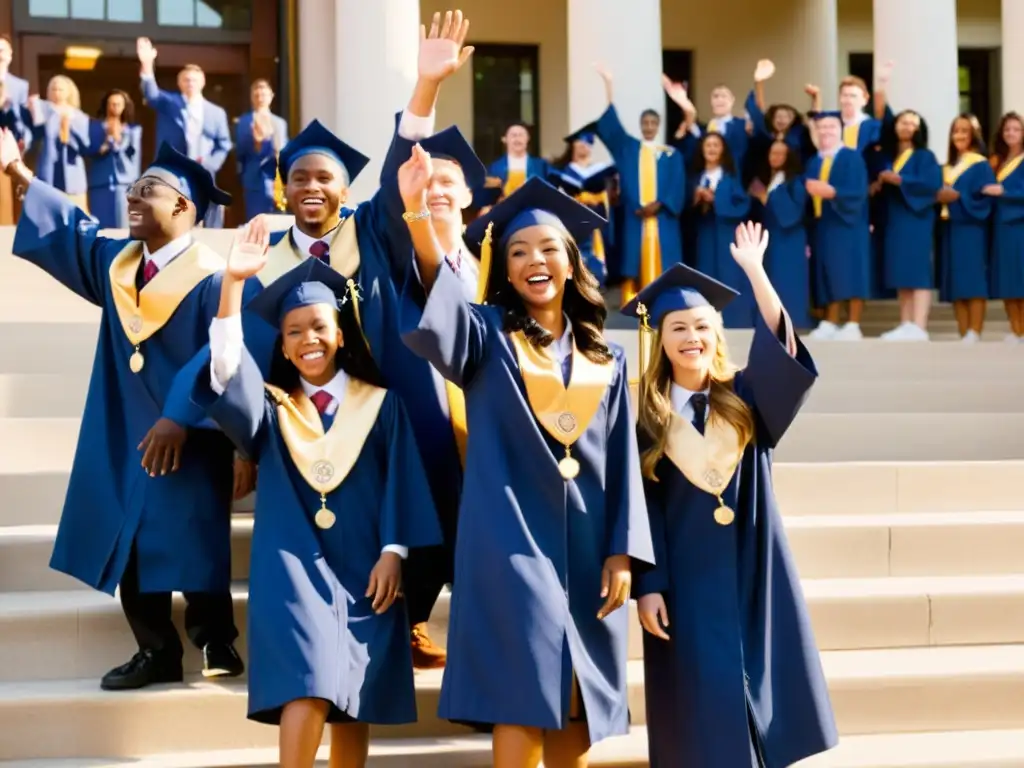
{"x": 676, "y": 91}
{"x": 750, "y": 244}
{"x": 414, "y": 178}
{"x": 441, "y": 51}
{"x": 885, "y": 73}
{"x": 764, "y": 70}
{"x": 249, "y": 249}
{"x": 603, "y": 72}
{"x": 146, "y": 52}
{"x": 813, "y": 91}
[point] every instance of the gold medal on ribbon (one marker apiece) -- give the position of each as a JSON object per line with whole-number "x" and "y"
{"x": 724, "y": 515}
{"x": 324, "y": 518}
{"x": 136, "y": 361}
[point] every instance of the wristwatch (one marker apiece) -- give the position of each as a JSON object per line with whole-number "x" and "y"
{"x": 409, "y": 217}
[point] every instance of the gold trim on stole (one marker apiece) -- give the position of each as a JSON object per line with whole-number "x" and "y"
{"x": 143, "y": 313}
{"x": 1008, "y": 168}
{"x": 950, "y": 173}
{"x": 564, "y": 412}
{"x": 902, "y": 160}
{"x": 709, "y": 461}
{"x": 344, "y": 250}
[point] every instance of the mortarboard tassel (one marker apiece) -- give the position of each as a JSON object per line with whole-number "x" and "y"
{"x": 485, "y": 265}
{"x": 279, "y": 200}
{"x": 644, "y": 352}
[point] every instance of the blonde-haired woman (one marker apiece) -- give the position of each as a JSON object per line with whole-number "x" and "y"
{"x": 732, "y": 675}
{"x": 61, "y": 136}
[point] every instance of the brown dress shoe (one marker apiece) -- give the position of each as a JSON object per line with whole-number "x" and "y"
{"x": 426, "y": 655}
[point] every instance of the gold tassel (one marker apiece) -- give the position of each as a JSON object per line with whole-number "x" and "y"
{"x": 485, "y": 265}
{"x": 279, "y": 200}
{"x": 353, "y": 295}
{"x": 644, "y": 352}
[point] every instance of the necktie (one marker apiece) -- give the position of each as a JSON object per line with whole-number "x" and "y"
{"x": 700, "y": 409}
{"x": 567, "y": 369}
{"x": 321, "y": 250}
{"x": 149, "y": 271}
{"x": 322, "y": 400}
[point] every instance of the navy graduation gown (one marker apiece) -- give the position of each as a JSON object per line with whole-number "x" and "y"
{"x": 963, "y": 257}
{"x": 311, "y": 632}
{"x": 909, "y": 216}
{"x": 786, "y": 259}
{"x": 741, "y": 662}
{"x": 841, "y": 238}
{"x": 180, "y": 522}
{"x": 531, "y": 546}
{"x": 797, "y": 138}
{"x": 1008, "y": 237}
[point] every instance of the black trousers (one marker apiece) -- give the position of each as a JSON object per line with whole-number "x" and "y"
{"x": 425, "y": 573}
{"x": 209, "y": 616}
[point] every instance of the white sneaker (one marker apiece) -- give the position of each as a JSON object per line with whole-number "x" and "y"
{"x": 971, "y": 337}
{"x": 849, "y": 332}
{"x": 895, "y": 334}
{"x": 915, "y": 332}
{"x": 825, "y": 330}
{"x": 1012, "y": 338}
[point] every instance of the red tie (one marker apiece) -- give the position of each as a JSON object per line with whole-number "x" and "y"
{"x": 149, "y": 271}
{"x": 322, "y": 400}
{"x": 321, "y": 250}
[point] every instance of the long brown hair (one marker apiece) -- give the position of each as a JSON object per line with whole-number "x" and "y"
{"x": 582, "y": 303}
{"x": 656, "y": 398}
{"x": 1000, "y": 149}
{"x": 977, "y": 142}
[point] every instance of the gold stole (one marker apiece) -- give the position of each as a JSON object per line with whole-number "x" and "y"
{"x": 344, "y": 254}
{"x": 950, "y": 173}
{"x": 713, "y": 126}
{"x": 515, "y": 180}
{"x": 823, "y": 175}
{"x": 851, "y": 135}
{"x": 709, "y": 461}
{"x": 650, "y": 245}
{"x": 143, "y": 313}
{"x": 564, "y": 412}
{"x": 594, "y": 199}
{"x": 1008, "y": 168}
{"x": 325, "y": 459}
{"x": 902, "y": 160}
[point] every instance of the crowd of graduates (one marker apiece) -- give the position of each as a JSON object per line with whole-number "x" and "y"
{"x": 422, "y": 397}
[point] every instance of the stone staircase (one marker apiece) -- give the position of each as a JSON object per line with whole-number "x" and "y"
{"x": 902, "y": 488}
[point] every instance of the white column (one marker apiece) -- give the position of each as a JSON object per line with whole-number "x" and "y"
{"x": 316, "y": 61}
{"x": 376, "y": 47}
{"x": 626, "y": 38}
{"x": 920, "y": 36}
{"x": 1013, "y": 56}
{"x": 816, "y": 24}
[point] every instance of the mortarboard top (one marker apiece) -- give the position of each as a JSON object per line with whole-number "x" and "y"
{"x": 536, "y": 202}
{"x": 316, "y": 139}
{"x": 825, "y": 114}
{"x": 451, "y": 145}
{"x": 484, "y": 196}
{"x": 679, "y": 287}
{"x": 311, "y": 282}
{"x": 588, "y": 133}
{"x": 595, "y": 183}
{"x": 193, "y": 181}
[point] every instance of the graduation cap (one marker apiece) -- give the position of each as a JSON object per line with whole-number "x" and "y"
{"x": 825, "y": 114}
{"x": 586, "y": 134}
{"x": 679, "y": 287}
{"x": 311, "y": 282}
{"x": 534, "y": 203}
{"x": 315, "y": 139}
{"x": 485, "y": 196}
{"x": 192, "y": 180}
{"x": 451, "y": 145}
{"x": 595, "y": 183}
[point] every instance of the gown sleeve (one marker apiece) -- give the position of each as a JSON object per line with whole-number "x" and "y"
{"x": 778, "y": 383}
{"x": 1010, "y": 204}
{"x": 849, "y": 178}
{"x": 613, "y": 134}
{"x": 58, "y": 237}
{"x": 408, "y": 517}
{"x": 973, "y": 205}
{"x": 672, "y": 188}
{"x": 450, "y": 333}
{"x": 648, "y": 579}
{"x": 788, "y": 202}
{"x": 240, "y": 412}
{"x": 731, "y": 200}
{"x": 630, "y": 530}
{"x": 921, "y": 182}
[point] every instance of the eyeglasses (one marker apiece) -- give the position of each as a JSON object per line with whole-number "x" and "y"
{"x": 144, "y": 187}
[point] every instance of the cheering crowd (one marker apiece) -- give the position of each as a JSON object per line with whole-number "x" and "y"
{"x": 418, "y": 402}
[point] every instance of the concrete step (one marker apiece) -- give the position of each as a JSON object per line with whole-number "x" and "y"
{"x": 83, "y": 634}
{"x": 878, "y": 691}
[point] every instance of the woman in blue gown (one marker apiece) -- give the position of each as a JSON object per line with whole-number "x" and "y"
{"x": 552, "y": 509}
{"x": 779, "y": 187}
{"x": 720, "y": 202}
{"x": 907, "y": 201}
{"x": 1007, "y": 194}
{"x": 732, "y": 675}
{"x": 964, "y": 227}
{"x": 340, "y": 499}
{"x": 115, "y": 157}
{"x": 61, "y": 139}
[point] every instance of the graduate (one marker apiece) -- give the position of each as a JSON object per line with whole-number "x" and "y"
{"x": 778, "y": 122}
{"x": 577, "y": 173}
{"x": 551, "y": 512}
{"x": 259, "y": 136}
{"x": 517, "y": 166}
{"x": 115, "y": 159}
{"x": 341, "y": 498}
{"x": 371, "y": 244}
{"x": 908, "y": 201}
{"x": 148, "y": 507}
{"x": 652, "y": 183}
{"x": 732, "y": 675}
{"x": 719, "y": 203}
{"x": 1008, "y": 222}
{"x": 735, "y": 130}
{"x": 60, "y": 132}
{"x": 964, "y": 227}
{"x": 780, "y": 191}
{"x": 837, "y": 181}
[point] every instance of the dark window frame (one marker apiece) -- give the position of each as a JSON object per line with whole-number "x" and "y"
{"x": 516, "y": 51}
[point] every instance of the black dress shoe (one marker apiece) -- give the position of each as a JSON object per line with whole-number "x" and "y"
{"x": 221, "y": 660}
{"x": 147, "y": 667}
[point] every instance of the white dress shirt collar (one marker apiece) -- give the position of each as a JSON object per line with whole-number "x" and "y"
{"x": 681, "y": 399}
{"x": 304, "y": 242}
{"x": 335, "y": 388}
{"x": 562, "y": 348}
{"x": 517, "y": 163}
{"x": 165, "y": 255}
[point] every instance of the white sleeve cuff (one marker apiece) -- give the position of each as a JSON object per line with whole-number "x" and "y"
{"x": 226, "y": 341}
{"x": 398, "y": 549}
{"x": 414, "y": 128}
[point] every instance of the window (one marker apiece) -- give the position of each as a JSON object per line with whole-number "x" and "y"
{"x": 218, "y": 14}
{"x": 87, "y": 10}
{"x": 505, "y": 91}
{"x": 678, "y": 65}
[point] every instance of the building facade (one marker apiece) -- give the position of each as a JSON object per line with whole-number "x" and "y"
{"x": 351, "y": 63}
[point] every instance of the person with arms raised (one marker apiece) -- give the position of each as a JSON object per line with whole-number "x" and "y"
{"x": 149, "y": 500}
{"x": 259, "y": 136}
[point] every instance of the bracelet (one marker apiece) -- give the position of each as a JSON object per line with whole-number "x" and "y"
{"x": 408, "y": 217}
